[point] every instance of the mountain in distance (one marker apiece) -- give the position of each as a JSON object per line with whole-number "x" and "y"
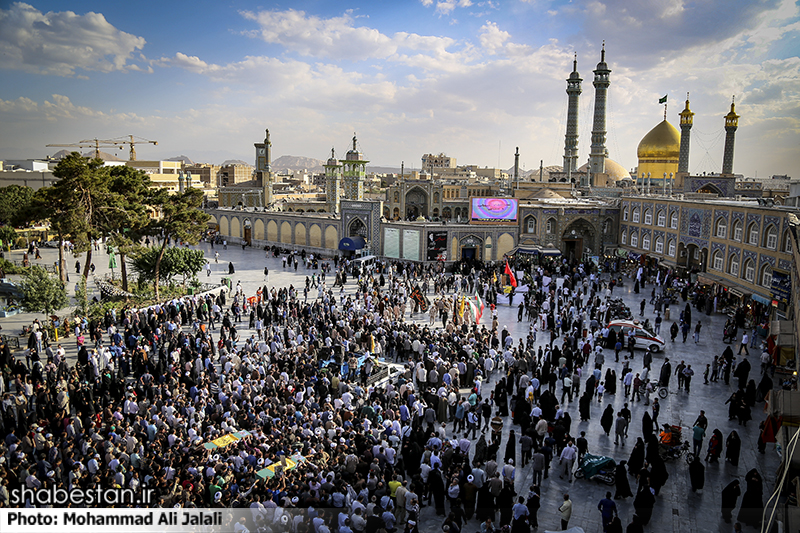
{"x": 185, "y": 159}
{"x": 235, "y": 162}
{"x": 292, "y": 162}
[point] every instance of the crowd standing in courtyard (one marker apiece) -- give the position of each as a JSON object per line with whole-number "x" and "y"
{"x": 152, "y": 387}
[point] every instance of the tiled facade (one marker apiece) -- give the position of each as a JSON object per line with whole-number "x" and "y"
{"x": 740, "y": 243}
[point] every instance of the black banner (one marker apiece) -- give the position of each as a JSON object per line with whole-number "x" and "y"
{"x": 437, "y": 244}
{"x": 417, "y": 296}
{"x": 781, "y": 287}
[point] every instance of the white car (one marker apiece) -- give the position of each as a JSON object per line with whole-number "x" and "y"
{"x": 644, "y": 338}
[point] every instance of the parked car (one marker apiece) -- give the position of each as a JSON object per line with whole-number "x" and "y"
{"x": 645, "y": 339}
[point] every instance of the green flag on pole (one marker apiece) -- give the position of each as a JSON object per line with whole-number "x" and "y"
{"x": 663, "y": 100}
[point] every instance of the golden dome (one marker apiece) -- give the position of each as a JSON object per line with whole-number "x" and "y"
{"x": 614, "y": 170}
{"x": 662, "y": 142}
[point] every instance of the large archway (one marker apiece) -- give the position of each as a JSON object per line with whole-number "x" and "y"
{"x": 357, "y": 228}
{"x": 578, "y": 238}
{"x": 471, "y": 247}
{"x": 416, "y": 203}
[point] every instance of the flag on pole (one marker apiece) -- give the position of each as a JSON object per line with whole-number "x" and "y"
{"x": 478, "y": 306}
{"x": 512, "y": 280}
{"x": 663, "y": 100}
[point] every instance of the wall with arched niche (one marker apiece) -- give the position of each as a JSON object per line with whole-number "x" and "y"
{"x": 331, "y": 237}
{"x": 315, "y": 236}
{"x": 300, "y": 234}
{"x": 286, "y": 233}
{"x": 272, "y": 231}
{"x": 258, "y": 230}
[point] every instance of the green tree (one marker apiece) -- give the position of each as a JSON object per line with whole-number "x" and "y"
{"x": 42, "y": 294}
{"x": 129, "y": 207}
{"x": 180, "y": 220}
{"x": 13, "y": 200}
{"x": 175, "y": 261}
{"x": 8, "y": 237}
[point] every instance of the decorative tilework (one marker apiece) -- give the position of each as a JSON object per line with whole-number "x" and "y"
{"x": 753, "y": 218}
{"x": 721, "y": 214}
{"x": 737, "y": 215}
{"x": 695, "y": 222}
{"x": 658, "y": 233}
{"x": 764, "y": 258}
{"x": 749, "y": 255}
{"x": 776, "y": 221}
{"x": 734, "y": 250}
{"x": 645, "y": 231}
{"x": 783, "y": 264}
{"x": 717, "y": 246}
{"x": 700, "y": 243}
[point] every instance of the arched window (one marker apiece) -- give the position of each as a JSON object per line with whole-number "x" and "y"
{"x": 752, "y": 234}
{"x": 530, "y": 224}
{"x": 648, "y": 216}
{"x": 661, "y": 218}
{"x": 396, "y": 197}
{"x": 733, "y": 266}
{"x": 787, "y": 242}
{"x": 606, "y": 227}
{"x": 645, "y": 242}
{"x": 659, "y": 245}
{"x": 634, "y": 240}
{"x": 673, "y": 220}
{"x": 625, "y": 214}
{"x": 737, "y": 230}
{"x": 624, "y": 237}
{"x": 436, "y": 197}
{"x": 771, "y": 237}
{"x": 722, "y": 228}
{"x": 551, "y": 225}
{"x": 636, "y": 214}
{"x": 766, "y": 276}
{"x": 671, "y": 248}
{"x": 716, "y": 260}
{"x": 749, "y": 270}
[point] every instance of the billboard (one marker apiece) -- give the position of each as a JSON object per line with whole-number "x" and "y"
{"x": 437, "y": 245}
{"x": 391, "y": 242}
{"x": 503, "y": 210}
{"x": 411, "y": 244}
{"x": 781, "y": 287}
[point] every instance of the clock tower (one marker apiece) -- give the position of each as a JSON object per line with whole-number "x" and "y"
{"x": 263, "y": 167}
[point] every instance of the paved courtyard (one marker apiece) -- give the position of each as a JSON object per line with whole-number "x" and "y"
{"x": 677, "y": 508}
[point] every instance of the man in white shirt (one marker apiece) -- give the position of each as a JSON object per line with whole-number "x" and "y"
{"x": 568, "y": 455}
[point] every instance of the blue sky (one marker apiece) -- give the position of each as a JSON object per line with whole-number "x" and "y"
{"x": 473, "y": 79}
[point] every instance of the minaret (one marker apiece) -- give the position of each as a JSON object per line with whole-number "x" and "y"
{"x": 516, "y": 168}
{"x": 571, "y": 139}
{"x": 333, "y": 183}
{"x": 731, "y": 124}
{"x": 598, "y": 153}
{"x": 354, "y": 172}
{"x": 686, "y": 132}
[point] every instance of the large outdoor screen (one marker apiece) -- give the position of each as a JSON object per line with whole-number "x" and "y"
{"x": 494, "y": 209}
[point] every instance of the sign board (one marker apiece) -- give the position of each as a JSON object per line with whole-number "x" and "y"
{"x": 781, "y": 287}
{"x": 494, "y": 210}
{"x": 437, "y": 244}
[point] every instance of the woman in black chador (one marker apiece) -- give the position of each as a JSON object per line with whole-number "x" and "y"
{"x": 753, "y": 500}
{"x": 621, "y": 481}
{"x": 636, "y": 460}
{"x": 607, "y": 420}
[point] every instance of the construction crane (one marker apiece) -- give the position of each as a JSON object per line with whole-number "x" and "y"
{"x": 118, "y": 143}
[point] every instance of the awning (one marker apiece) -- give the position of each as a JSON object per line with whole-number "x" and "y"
{"x": 760, "y": 299}
{"x": 621, "y": 252}
{"x": 352, "y": 243}
{"x": 553, "y": 252}
{"x": 525, "y": 249}
{"x": 736, "y": 292}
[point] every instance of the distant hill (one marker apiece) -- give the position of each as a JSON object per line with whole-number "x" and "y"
{"x": 183, "y": 158}
{"x": 291, "y": 162}
{"x": 235, "y": 162}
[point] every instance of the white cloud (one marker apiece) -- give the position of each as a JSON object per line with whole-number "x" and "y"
{"x": 61, "y": 43}
{"x": 492, "y": 37}
{"x": 21, "y": 104}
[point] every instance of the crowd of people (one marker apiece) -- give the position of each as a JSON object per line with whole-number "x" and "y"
{"x": 152, "y": 388}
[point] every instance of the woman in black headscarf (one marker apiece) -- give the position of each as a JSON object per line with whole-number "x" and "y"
{"x": 764, "y": 386}
{"x": 610, "y": 381}
{"x": 753, "y": 500}
{"x": 437, "y": 485}
{"x": 643, "y": 504}
{"x": 584, "y": 406}
{"x": 485, "y": 504}
{"x": 697, "y": 474}
{"x": 505, "y": 501}
{"x": 733, "y": 405}
{"x": 733, "y": 445}
{"x": 658, "y": 473}
{"x": 750, "y": 393}
{"x": 636, "y": 460}
{"x": 480, "y": 450}
{"x": 647, "y": 425}
{"x": 621, "y": 481}
{"x": 607, "y": 420}
{"x": 511, "y": 447}
{"x": 730, "y": 495}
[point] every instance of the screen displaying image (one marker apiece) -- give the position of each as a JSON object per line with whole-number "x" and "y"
{"x": 495, "y": 209}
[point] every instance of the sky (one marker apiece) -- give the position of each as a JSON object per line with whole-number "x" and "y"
{"x": 472, "y": 79}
